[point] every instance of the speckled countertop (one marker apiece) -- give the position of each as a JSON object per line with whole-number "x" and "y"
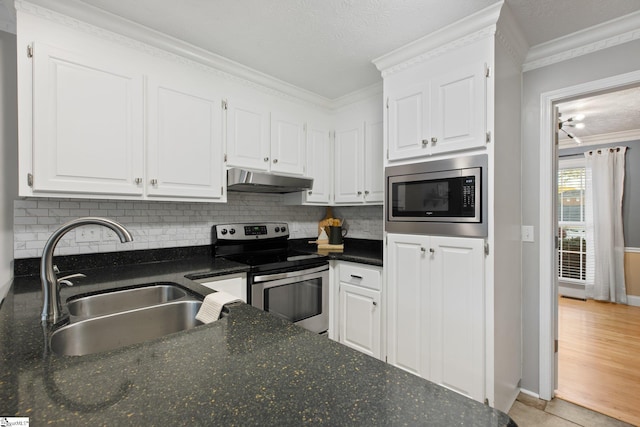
{"x": 248, "y": 368}
{"x": 362, "y": 251}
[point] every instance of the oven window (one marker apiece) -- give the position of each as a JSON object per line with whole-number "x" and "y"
{"x": 295, "y": 301}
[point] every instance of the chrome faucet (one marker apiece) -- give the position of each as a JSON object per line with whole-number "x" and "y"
{"x": 52, "y": 311}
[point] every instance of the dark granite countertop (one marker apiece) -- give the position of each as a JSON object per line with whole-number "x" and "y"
{"x": 248, "y": 368}
{"x": 363, "y": 251}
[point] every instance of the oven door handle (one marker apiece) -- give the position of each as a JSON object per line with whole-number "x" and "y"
{"x": 297, "y": 273}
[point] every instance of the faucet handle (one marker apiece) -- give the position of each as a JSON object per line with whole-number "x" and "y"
{"x": 66, "y": 279}
{"x": 56, "y": 269}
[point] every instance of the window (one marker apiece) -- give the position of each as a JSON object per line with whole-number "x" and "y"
{"x": 572, "y": 251}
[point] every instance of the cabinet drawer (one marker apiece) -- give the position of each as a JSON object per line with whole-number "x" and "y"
{"x": 366, "y": 277}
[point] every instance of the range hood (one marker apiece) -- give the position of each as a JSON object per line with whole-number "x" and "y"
{"x": 262, "y": 182}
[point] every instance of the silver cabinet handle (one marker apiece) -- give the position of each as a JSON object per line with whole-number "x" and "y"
{"x": 266, "y": 159}
{"x": 356, "y": 276}
{"x": 423, "y": 250}
{"x": 154, "y": 182}
{"x": 275, "y": 160}
{"x": 425, "y": 142}
{"x": 138, "y": 181}
{"x": 434, "y": 139}
{"x": 431, "y": 250}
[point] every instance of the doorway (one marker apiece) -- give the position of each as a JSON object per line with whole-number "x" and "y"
{"x": 548, "y": 225}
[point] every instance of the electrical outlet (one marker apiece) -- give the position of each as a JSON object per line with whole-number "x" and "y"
{"x": 88, "y": 233}
{"x": 527, "y": 233}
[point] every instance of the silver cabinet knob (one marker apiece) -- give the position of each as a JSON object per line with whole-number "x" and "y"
{"x": 423, "y": 250}
{"x": 266, "y": 159}
{"x": 425, "y": 142}
{"x": 275, "y": 160}
{"x": 431, "y": 250}
{"x": 375, "y": 303}
{"x": 434, "y": 139}
{"x": 309, "y": 193}
{"x": 138, "y": 181}
{"x": 154, "y": 182}
{"x": 359, "y": 193}
{"x": 366, "y": 192}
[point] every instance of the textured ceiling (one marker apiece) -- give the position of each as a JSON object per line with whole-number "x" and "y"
{"x": 617, "y": 111}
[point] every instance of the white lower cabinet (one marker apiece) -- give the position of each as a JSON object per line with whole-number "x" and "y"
{"x": 359, "y": 308}
{"x": 234, "y": 284}
{"x": 435, "y": 310}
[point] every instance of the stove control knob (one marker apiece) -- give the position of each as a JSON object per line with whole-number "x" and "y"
{"x": 223, "y": 231}
{"x": 277, "y": 229}
{"x": 283, "y": 229}
{"x": 232, "y": 231}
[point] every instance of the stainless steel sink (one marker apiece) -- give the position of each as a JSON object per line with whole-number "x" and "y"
{"x": 123, "y": 300}
{"x": 117, "y": 330}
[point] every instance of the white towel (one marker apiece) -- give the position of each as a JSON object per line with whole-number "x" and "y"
{"x": 212, "y": 306}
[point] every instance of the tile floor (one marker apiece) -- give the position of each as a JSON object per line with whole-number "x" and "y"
{"x": 528, "y": 411}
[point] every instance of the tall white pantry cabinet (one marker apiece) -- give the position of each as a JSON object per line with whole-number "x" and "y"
{"x": 453, "y": 304}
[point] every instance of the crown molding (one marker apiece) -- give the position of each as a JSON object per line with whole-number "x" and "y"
{"x": 461, "y": 33}
{"x": 602, "y": 36}
{"x": 359, "y": 95}
{"x": 7, "y": 17}
{"x": 605, "y": 138}
{"x": 81, "y": 16}
{"x": 510, "y": 36}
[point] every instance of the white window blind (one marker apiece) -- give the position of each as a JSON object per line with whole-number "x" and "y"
{"x": 572, "y": 251}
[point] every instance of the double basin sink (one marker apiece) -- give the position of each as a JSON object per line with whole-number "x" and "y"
{"x": 117, "y": 318}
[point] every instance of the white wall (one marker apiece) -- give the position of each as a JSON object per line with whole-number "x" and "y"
{"x": 601, "y": 64}
{"x": 8, "y": 156}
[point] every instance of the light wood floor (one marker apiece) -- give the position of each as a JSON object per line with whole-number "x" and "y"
{"x": 599, "y": 357}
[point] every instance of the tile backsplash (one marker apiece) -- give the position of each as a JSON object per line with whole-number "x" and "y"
{"x": 170, "y": 224}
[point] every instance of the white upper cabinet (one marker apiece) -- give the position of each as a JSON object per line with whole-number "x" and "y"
{"x": 439, "y": 113}
{"x": 287, "y": 144}
{"x": 248, "y": 135}
{"x": 185, "y": 136}
{"x": 319, "y": 165}
{"x": 261, "y": 140}
{"x": 373, "y": 163}
{"x": 87, "y": 123}
{"x": 458, "y": 106}
{"x": 349, "y": 163}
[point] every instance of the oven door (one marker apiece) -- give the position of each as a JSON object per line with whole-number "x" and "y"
{"x": 301, "y": 296}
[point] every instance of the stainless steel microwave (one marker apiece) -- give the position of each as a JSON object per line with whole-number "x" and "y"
{"x": 443, "y": 197}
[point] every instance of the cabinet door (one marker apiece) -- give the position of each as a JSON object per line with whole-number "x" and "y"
{"x": 457, "y": 315}
{"x": 373, "y": 163}
{"x": 185, "y": 137}
{"x": 459, "y": 108}
{"x": 287, "y": 144}
{"x": 408, "y": 321}
{"x": 408, "y": 120}
{"x": 319, "y": 165}
{"x": 87, "y": 124}
{"x": 348, "y": 161}
{"x": 247, "y": 135}
{"x": 360, "y": 318}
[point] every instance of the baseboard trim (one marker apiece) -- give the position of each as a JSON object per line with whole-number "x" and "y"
{"x": 633, "y": 300}
{"x": 529, "y": 393}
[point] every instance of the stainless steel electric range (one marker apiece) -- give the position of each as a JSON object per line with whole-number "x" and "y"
{"x": 287, "y": 283}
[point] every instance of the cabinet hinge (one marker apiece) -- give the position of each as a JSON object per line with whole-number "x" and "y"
{"x": 30, "y": 180}
{"x": 555, "y": 346}
{"x": 488, "y": 137}
{"x": 30, "y": 51}
{"x": 487, "y": 71}
{"x": 387, "y": 102}
{"x": 224, "y": 104}
{"x": 225, "y": 157}
{"x": 486, "y": 401}
{"x": 486, "y": 249}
